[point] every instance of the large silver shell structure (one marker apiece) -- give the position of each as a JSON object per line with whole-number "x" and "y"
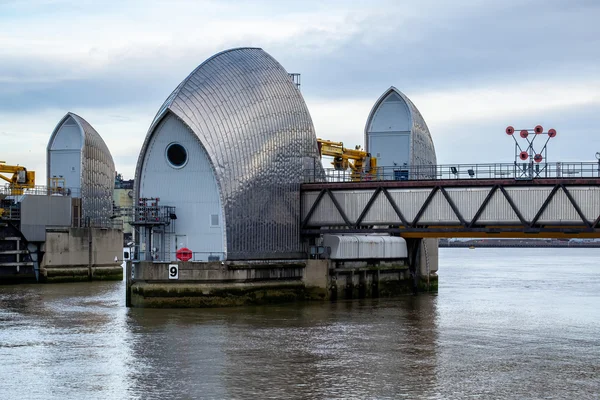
{"x": 396, "y": 132}
{"x": 77, "y": 156}
{"x": 246, "y": 135}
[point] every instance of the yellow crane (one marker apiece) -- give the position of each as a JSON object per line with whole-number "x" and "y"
{"x": 362, "y": 165}
{"x": 20, "y": 179}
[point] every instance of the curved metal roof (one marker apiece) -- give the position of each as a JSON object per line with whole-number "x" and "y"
{"x": 422, "y": 148}
{"x": 257, "y": 131}
{"x": 91, "y": 137}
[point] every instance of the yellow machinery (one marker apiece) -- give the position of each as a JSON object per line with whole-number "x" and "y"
{"x": 20, "y": 179}
{"x": 362, "y": 165}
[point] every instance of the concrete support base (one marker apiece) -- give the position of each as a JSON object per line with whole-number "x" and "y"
{"x": 423, "y": 264}
{"x": 81, "y": 273}
{"x": 218, "y": 284}
{"x": 67, "y": 255}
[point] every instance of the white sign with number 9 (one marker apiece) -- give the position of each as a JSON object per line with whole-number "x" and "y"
{"x": 173, "y": 271}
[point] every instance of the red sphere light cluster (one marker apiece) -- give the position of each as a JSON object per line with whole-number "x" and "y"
{"x": 524, "y": 133}
{"x": 529, "y": 152}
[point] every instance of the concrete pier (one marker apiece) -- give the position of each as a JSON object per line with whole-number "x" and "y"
{"x": 81, "y": 254}
{"x": 66, "y": 255}
{"x": 229, "y": 283}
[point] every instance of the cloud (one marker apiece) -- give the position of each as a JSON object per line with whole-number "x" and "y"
{"x": 469, "y": 66}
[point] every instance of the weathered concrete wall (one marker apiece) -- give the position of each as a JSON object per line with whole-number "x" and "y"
{"x": 428, "y": 261}
{"x": 360, "y": 280}
{"x": 428, "y": 265}
{"x": 79, "y": 254}
{"x": 217, "y": 271}
{"x": 216, "y": 284}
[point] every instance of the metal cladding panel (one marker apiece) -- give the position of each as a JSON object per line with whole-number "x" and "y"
{"x": 353, "y": 202}
{"x": 468, "y": 200}
{"x": 529, "y": 200}
{"x": 342, "y": 247}
{"x": 422, "y": 150}
{"x": 410, "y": 201}
{"x": 257, "y": 131}
{"x": 381, "y": 211}
{"x": 560, "y": 210}
{"x": 356, "y": 247}
{"x": 498, "y": 210}
{"x": 327, "y": 213}
{"x": 39, "y": 212}
{"x": 395, "y": 247}
{"x": 97, "y": 171}
{"x": 439, "y": 211}
{"x": 308, "y": 199}
{"x": 588, "y": 199}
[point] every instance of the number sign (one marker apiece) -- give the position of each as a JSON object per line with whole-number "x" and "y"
{"x": 173, "y": 271}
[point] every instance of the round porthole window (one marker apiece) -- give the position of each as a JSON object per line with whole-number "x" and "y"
{"x": 176, "y": 155}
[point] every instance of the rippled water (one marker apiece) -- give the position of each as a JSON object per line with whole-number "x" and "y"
{"x": 507, "y": 323}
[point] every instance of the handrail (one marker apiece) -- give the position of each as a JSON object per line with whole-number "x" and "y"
{"x": 517, "y": 171}
{"x": 6, "y": 190}
{"x": 160, "y": 256}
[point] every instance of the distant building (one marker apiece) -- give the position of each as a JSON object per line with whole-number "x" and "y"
{"x": 123, "y": 201}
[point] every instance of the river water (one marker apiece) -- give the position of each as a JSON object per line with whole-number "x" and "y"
{"x": 507, "y": 323}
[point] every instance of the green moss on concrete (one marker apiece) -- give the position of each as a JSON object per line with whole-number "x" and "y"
{"x": 392, "y": 267}
{"x": 107, "y": 273}
{"x": 316, "y": 293}
{"x": 81, "y": 274}
{"x": 394, "y": 287}
{"x": 164, "y": 295}
{"x": 265, "y": 266}
{"x": 432, "y": 286}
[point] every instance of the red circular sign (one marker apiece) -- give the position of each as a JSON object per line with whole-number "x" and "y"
{"x": 538, "y": 129}
{"x": 510, "y": 130}
{"x": 184, "y": 254}
{"x": 552, "y": 132}
{"x": 523, "y": 156}
{"x": 524, "y": 133}
{"x": 538, "y": 158}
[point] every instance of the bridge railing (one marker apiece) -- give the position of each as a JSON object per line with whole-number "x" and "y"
{"x": 40, "y": 191}
{"x": 517, "y": 171}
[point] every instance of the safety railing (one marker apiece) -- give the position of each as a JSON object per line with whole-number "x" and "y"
{"x": 39, "y": 191}
{"x": 517, "y": 171}
{"x": 11, "y": 213}
{"x": 160, "y": 256}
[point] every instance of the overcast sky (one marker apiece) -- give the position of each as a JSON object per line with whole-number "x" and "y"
{"x": 471, "y": 67}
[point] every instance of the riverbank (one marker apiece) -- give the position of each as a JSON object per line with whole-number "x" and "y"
{"x": 555, "y": 243}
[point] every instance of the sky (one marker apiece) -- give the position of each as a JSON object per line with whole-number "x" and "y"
{"x": 471, "y": 67}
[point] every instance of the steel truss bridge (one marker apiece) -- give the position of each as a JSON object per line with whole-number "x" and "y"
{"x": 560, "y": 200}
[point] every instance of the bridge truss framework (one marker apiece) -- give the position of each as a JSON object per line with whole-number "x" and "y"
{"x": 544, "y": 208}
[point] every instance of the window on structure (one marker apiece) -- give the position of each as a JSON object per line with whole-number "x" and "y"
{"x": 176, "y": 155}
{"x": 214, "y": 220}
